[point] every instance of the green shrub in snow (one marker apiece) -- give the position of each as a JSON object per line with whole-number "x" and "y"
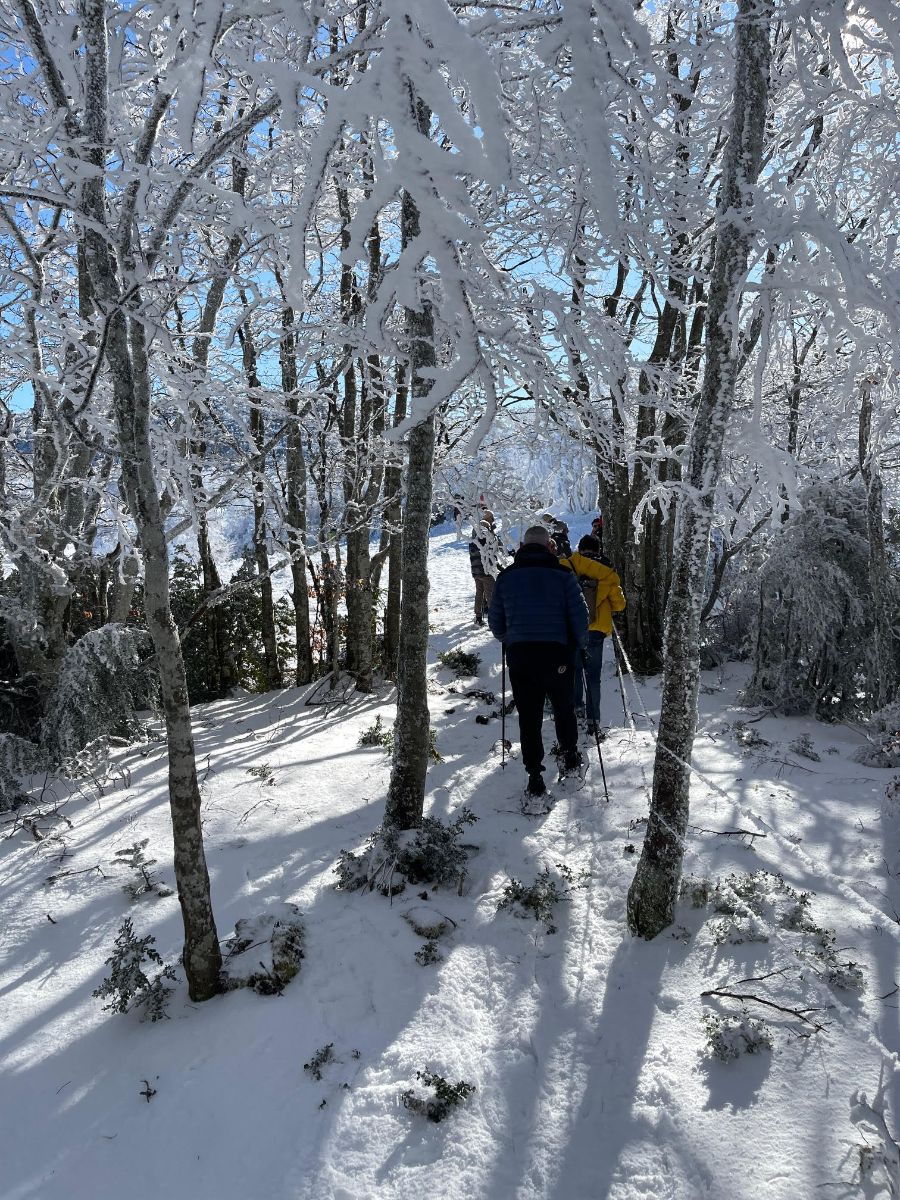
{"x": 730, "y": 1035}
{"x": 433, "y": 854}
{"x": 127, "y": 986}
{"x": 460, "y": 662}
{"x": 447, "y": 1096}
{"x": 377, "y": 735}
{"x": 539, "y": 898}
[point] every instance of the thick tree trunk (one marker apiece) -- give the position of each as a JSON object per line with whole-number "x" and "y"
{"x": 406, "y": 794}
{"x": 653, "y": 892}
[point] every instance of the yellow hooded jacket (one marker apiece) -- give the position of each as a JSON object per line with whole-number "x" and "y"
{"x": 610, "y": 598}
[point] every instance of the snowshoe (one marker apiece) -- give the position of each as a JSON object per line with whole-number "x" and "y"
{"x": 537, "y": 801}
{"x": 572, "y": 767}
{"x": 536, "y": 806}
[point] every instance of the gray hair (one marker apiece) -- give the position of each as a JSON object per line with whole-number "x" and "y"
{"x": 536, "y": 535}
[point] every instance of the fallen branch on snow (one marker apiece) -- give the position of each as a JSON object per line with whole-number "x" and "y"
{"x": 797, "y": 1013}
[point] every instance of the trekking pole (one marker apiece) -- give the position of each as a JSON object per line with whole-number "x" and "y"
{"x": 621, "y": 680}
{"x": 630, "y": 669}
{"x": 503, "y": 707}
{"x": 590, "y": 700}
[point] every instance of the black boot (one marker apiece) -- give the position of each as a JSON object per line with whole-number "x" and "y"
{"x": 536, "y": 785}
{"x": 572, "y": 760}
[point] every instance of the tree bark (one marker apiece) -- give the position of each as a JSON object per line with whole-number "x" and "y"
{"x": 274, "y": 678}
{"x": 131, "y": 393}
{"x": 406, "y": 793}
{"x": 885, "y": 688}
{"x": 654, "y": 890}
{"x": 221, "y": 670}
{"x": 393, "y": 483}
{"x": 295, "y": 487}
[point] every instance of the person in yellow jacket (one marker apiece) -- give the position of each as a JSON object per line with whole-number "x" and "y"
{"x": 603, "y": 594}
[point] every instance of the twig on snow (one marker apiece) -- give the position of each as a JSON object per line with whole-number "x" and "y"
{"x": 798, "y": 1013}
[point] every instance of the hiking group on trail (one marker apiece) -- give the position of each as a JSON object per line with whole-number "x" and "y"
{"x": 552, "y": 612}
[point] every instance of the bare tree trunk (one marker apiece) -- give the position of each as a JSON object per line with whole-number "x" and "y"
{"x": 295, "y": 486}
{"x": 129, "y": 372}
{"x": 274, "y": 678}
{"x": 393, "y": 482}
{"x": 221, "y": 669}
{"x": 879, "y": 571}
{"x": 122, "y": 586}
{"x": 406, "y": 794}
{"x": 654, "y": 890}
{"x": 127, "y": 360}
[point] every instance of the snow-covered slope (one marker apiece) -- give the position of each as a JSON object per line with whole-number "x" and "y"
{"x": 586, "y": 1048}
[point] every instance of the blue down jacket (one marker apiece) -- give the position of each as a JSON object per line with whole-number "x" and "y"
{"x": 538, "y": 600}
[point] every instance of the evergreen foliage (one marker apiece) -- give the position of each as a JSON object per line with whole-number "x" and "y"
{"x": 377, "y": 735}
{"x": 729, "y": 1036}
{"x": 105, "y": 678}
{"x": 754, "y": 905}
{"x": 186, "y": 592}
{"x": 244, "y": 608}
{"x": 241, "y": 609}
{"x": 19, "y": 758}
{"x": 883, "y": 732}
{"x": 462, "y": 663}
{"x": 538, "y": 899}
{"x": 265, "y": 952}
{"x": 128, "y": 986}
{"x": 147, "y": 881}
{"x": 447, "y": 1096}
{"x": 814, "y": 632}
{"x": 433, "y": 854}
{"x": 428, "y": 954}
{"x": 323, "y": 1056}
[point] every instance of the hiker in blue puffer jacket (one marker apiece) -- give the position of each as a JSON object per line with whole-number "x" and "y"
{"x": 539, "y": 614}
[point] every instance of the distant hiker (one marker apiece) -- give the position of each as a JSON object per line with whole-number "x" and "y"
{"x": 603, "y": 595}
{"x": 540, "y": 616}
{"x": 559, "y": 532}
{"x": 485, "y": 551}
{"x": 597, "y": 530}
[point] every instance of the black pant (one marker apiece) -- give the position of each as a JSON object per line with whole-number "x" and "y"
{"x": 538, "y": 670}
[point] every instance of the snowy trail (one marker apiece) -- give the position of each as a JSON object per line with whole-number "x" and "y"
{"x": 585, "y": 1047}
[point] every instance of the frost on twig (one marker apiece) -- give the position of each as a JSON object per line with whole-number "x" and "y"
{"x": 879, "y": 1155}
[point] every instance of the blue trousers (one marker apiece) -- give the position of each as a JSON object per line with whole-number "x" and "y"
{"x": 593, "y": 662}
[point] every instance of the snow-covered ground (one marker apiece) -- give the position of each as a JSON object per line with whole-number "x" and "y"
{"x": 587, "y": 1048}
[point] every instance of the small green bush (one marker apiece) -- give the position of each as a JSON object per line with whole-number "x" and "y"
{"x": 460, "y": 662}
{"x": 730, "y": 1035}
{"x": 447, "y": 1096}
{"x": 433, "y": 854}
{"x": 377, "y": 735}
{"x": 428, "y": 954}
{"x": 127, "y": 986}
{"x": 323, "y": 1056}
{"x": 147, "y": 881}
{"x": 537, "y": 899}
